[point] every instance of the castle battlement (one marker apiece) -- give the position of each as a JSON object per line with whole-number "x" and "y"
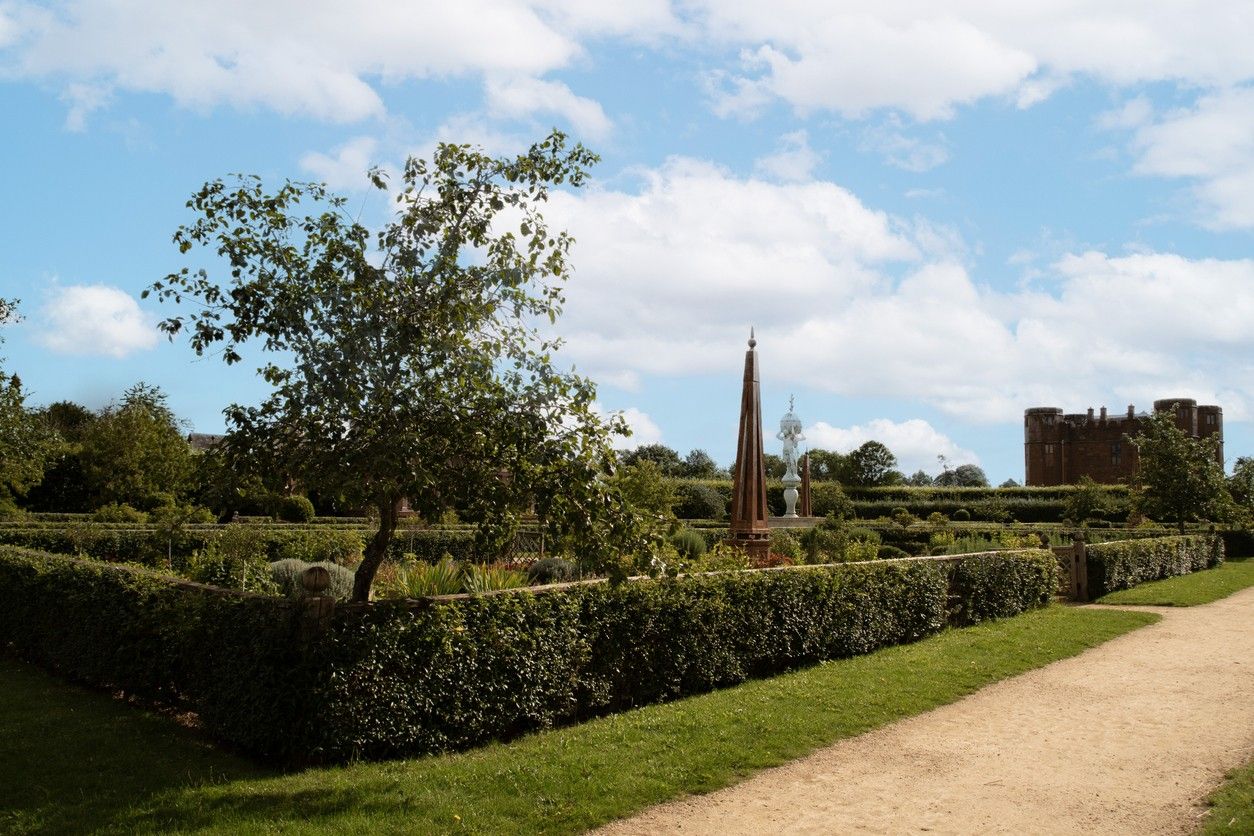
{"x": 1059, "y": 447}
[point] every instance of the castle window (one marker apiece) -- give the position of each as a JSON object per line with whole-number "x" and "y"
{"x": 1049, "y": 451}
{"x": 1210, "y": 419}
{"x": 1116, "y": 453}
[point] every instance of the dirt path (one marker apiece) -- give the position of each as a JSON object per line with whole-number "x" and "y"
{"x": 1125, "y": 738}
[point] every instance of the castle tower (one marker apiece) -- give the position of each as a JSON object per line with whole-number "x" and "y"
{"x": 749, "y": 530}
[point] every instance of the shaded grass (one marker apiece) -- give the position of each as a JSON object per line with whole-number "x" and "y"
{"x": 73, "y": 761}
{"x": 1189, "y": 590}
{"x": 1232, "y": 805}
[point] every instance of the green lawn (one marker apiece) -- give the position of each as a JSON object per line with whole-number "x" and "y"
{"x": 1189, "y": 590}
{"x": 72, "y": 760}
{"x": 1232, "y": 805}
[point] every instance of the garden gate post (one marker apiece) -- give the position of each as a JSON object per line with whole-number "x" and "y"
{"x": 318, "y": 608}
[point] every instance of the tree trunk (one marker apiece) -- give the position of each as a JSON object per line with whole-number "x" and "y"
{"x": 376, "y": 551}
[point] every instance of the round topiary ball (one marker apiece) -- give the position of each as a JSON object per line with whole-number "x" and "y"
{"x": 295, "y": 509}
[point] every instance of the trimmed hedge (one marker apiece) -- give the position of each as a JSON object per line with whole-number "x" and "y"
{"x": 1124, "y": 564}
{"x": 403, "y": 678}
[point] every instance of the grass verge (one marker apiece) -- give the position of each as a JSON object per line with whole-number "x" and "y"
{"x": 1189, "y": 590}
{"x": 1232, "y": 805}
{"x": 73, "y": 761}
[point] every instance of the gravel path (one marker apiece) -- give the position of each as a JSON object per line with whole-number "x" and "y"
{"x": 1125, "y": 738}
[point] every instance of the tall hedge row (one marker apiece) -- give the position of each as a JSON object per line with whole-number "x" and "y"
{"x": 400, "y": 678}
{"x": 1124, "y": 564}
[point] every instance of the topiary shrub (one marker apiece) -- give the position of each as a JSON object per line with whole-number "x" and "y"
{"x": 115, "y": 513}
{"x": 288, "y": 577}
{"x": 295, "y": 509}
{"x": 552, "y": 570}
{"x": 890, "y": 553}
{"x": 690, "y": 544}
{"x": 902, "y": 517}
{"x": 962, "y": 515}
{"x": 785, "y": 544}
{"x": 694, "y": 501}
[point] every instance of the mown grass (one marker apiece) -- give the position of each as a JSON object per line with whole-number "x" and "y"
{"x": 75, "y": 761}
{"x": 1232, "y": 805}
{"x": 1189, "y": 590}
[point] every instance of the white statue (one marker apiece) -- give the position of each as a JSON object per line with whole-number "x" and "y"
{"x": 790, "y": 433}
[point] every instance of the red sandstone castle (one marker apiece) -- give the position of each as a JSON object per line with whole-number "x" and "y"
{"x": 1058, "y": 449}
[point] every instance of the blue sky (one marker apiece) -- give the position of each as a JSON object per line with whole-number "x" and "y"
{"x": 935, "y": 214}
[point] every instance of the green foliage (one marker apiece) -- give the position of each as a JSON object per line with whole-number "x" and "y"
{"x": 295, "y": 509}
{"x": 288, "y": 578}
{"x": 1178, "y": 477}
{"x": 27, "y": 442}
{"x": 871, "y": 464}
{"x": 396, "y": 679}
{"x": 551, "y": 570}
{"x": 890, "y": 553}
{"x": 420, "y": 580}
{"x": 786, "y": 544}
{"x": 690, "y": 544}
{"x": 962, "y": 476}
{"x": 235, "y": 559}
{"x": 698, "y": 465}
{"x": 119, "y": 513}
{"x": 411, "y": 366}
{"x": 476, "y": 578}
{"x": 1189, "y": 590}
{"x": 1088, "y": 500}
{"x": 665, "y": 459}
{"x": 962, "y": 515}
{"x": 695, "y": 501}
{"x": 991, "y": 586}
{"x": 1124, "y": 564}
{"x": 313, "y": 545}
{"x": 903, "y": 517}
{"x": 644, "y": 489}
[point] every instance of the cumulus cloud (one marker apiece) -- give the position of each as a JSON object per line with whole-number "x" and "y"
{"x": 345, "y": 168}
{"x": 312, "y": 58}
{"x": 793, "y": 161}
{"x": 926, "y": 60}
{"x": 643, "y": 428}
{"x": 524, "y": 97}
{"x": 852, "y": 301}
{"x": 95, "y": 319}
{"x": 1211, "y": 144}
{"x": 902, "y": 151}
{"x": 915, "y": 442}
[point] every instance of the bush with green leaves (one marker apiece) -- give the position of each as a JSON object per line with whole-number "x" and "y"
{"x": 288, "y": 576}
{"x": 235, "y": 559}
{"x": 552, "y": 570}
{"x": 415, "y": 579}
{"x": 1126, "y": 563}
{"x": 696, "y": 501}
{"x": 116, "y": 512}
{"x": 397, "y": 679}
{"x": 690, "y": 544}
{"x": 477, "y": 579}
{"x": 962, "y": 515}
{"x": 294, "y": 509}
{"x": 785, "y": 543}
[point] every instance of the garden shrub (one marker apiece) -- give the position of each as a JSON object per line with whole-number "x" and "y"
{"x": 288, "y": 577}
{"x": 553, "y": 570}
{"x": 690, "y": 544}
{"x": 320, "y": 545}
{"x": 1126, "y": 563}
{"x": 419, "y": 580}
{"x": 403, "y": 678}
{"x": 294, "y": 509}
{"x": 962, "y": 515}
{"x": 890, "y": 553}
{"x": 119, "y": 513}
{"x": 477, "y": 578}
{"x": 785, "y": 544}
{"x": 695, "y": 501}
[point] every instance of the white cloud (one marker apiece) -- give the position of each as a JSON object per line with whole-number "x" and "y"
{"x": 643, "y": 428}
{"x": 346, "y": 169}
{"x": 926, "y": 60}
{"x": 915, "y": 442}
{"x": 1211, "y": 143}
{"x": 902, "y": 151}
{"x": 793, "y": 161}
{"x": 854, "y": 302}
{"x": 314, "y": 58}
{"x": 516, "y": 98}
{"x": 95, "y": 319}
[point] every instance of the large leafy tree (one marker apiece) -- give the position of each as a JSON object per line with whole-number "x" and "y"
{"x": 962, "y": 476}
{"x": 135, "y": 452}
{"x": 64, "y": 486}
{"x": 667, "y": 459}
{"x": 410, "y": 365}
{"x": 872, "y": 464}
{"x": 1179, "y": 478}
{"x": 26, "y": 442}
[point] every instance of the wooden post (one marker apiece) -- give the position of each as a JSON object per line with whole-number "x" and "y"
{"x": 318, "y": 609}
{"x": 1079, "y": 567}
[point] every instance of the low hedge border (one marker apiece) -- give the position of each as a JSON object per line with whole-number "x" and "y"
{"x": 1124, "y": 564}
{"x": 389, "y": 679}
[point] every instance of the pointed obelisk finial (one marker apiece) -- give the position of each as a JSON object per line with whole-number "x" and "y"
{"x": 749, "y": 529}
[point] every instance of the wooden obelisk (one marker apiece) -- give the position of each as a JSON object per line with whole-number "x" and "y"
{"x": 748, "y": 513}
{"x": 805, "y": 508}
